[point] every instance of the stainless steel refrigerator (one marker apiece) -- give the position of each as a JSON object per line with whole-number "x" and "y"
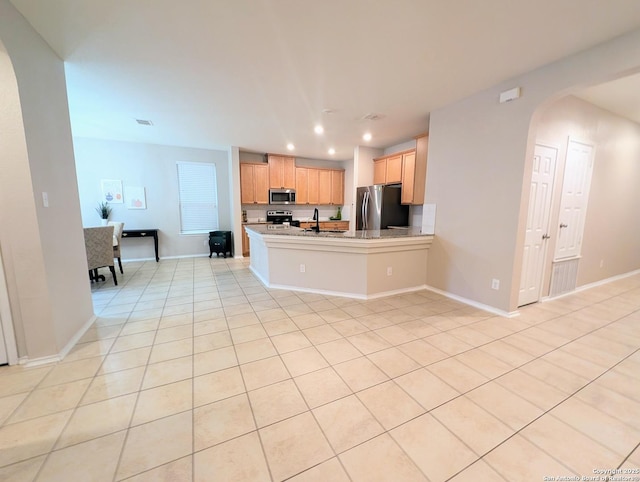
{"x": 378, "y": 207}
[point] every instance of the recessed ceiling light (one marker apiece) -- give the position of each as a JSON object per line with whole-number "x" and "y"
{"x": 332, "y": 151}
{"x": 318, "y": 129}
{"x": 367, "y": 136}
{"x": 291, "y": 147}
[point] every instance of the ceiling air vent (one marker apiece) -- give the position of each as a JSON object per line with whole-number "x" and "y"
{"x": 373, "y": 117}
{"x": 144, "y": 122}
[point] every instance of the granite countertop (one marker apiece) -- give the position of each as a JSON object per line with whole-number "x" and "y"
{"x": 283, "y": 230}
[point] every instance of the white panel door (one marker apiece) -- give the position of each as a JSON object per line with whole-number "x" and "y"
{"x": 575, "y": 196}
{"x": 535, "y": 243}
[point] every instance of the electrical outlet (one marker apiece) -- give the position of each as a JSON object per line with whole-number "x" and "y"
{"x": 495, "y": 284}
{"x": 302, "y": 268}
{"x": 204, "y": 242}
{"x": 389, "y": 271}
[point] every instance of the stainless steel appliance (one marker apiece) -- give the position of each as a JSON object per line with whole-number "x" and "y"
{"x": 281, "y": 217}
{"x": 282, "y": 196}
{"x": 379, "y": 207}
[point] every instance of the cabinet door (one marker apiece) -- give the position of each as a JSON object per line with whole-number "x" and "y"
{"x": 337, "y": 187}
{"x": 276, "y": 166}
{"x": 282, "y": 172}
{"x": 380, "y": 171}
{"x": 394, "y": 169}
{"x": 302, "y": 185}
{"x": 245, "y": 242}
{"x": 324, "y": 183}
{"x": 247, "y": 184}
{"x": 408, "y": 177}
{"x": 422, "y": 146}
{"x": 314, "y": 186}
{"x": 288, "y": 173}
{"x": 261, "y": 176}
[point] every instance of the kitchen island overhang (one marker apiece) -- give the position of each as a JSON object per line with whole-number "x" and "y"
{"x": 356, "y": 264}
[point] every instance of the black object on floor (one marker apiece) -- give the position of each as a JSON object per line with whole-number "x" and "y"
{"x": 220, "y": 242}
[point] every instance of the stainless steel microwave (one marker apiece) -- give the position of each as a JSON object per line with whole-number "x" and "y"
{"x": 282, "y": 196}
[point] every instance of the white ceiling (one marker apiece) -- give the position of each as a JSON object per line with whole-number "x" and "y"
{"x": 259, "y": 73}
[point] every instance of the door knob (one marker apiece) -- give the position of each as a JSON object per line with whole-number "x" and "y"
{"x": 562, "y": 225}
{"x": 545, "y": 236}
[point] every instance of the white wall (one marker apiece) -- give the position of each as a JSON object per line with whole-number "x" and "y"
{"x": 479, "y": 170}
{"x": 42, "y": 248}
{"x": 154, "y": 168}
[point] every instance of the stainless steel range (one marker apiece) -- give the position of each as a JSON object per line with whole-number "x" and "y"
{"x": 281, "y": 217}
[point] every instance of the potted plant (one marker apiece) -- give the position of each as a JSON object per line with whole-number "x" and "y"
{"x": 103, "y": 211}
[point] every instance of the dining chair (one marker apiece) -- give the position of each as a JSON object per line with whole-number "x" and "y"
{"x": 98, "y": 243}
{"x": 117, "y": 238}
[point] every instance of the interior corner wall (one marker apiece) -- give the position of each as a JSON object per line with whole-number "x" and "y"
{"x": 612, "y": 233}
{"x": 153, "y": 167}
{"x": 480, "y": 162}
{"x": 43, "y": 248}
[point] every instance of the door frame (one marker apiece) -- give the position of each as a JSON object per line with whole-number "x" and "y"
{"x": 6, "y": 319}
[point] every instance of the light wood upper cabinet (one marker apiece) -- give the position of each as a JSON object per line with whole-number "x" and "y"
{"x": 388, "y": 169}
{"x": 313, "y": 186}
{"x": 408, "y": 177}
{"x": 380, "y": 171}
{"x": 302, "y": 185}
{"x": 282, "y": 172}
{"x": 337, "y": 187}
{"x": 414, "y": 173}
{"x": 254, "y": 183}
{"x": 408, "y": 168}
{"x": 394, "y": 169}
{"x": 324, "y": 186}
{"x": 307, "y": 187}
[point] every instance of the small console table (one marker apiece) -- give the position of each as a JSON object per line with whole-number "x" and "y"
{"x": 143, "y": 233}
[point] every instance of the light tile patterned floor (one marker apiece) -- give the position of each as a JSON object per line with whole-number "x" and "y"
{"x": 195, "y": 372}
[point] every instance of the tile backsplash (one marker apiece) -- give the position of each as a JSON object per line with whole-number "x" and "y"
{"x": 301, "y": 213}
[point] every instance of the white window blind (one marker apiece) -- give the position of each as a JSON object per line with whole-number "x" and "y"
{"x": 198, "y": 197}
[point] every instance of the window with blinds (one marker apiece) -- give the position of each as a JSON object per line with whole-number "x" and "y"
{"x": 198, "y": 197}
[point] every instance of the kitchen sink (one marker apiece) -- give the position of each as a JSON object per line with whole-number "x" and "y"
{"x": 309, "y": 230}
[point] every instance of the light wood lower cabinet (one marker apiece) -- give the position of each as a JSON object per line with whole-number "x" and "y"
{"x": 246, "y": 251}
{"x": 327, "y": 225}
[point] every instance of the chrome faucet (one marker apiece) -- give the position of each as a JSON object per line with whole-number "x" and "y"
{"x": 316, "y": 218}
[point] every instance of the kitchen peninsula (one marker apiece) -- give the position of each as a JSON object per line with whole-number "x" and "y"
{"x": 355, "y": 264}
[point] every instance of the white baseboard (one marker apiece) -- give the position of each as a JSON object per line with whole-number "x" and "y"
{"x": 588, "y": 286}
{"x": 32, "y": 362}
{"x": 358, "y": 296}
{"x": 475, "y": 304}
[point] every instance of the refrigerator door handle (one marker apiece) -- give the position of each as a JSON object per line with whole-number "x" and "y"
{"x": 365, "y": 210}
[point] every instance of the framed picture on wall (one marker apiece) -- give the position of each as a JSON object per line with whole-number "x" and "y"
{"x": 136, "y": 197}
{"x": 112, "y": 191}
